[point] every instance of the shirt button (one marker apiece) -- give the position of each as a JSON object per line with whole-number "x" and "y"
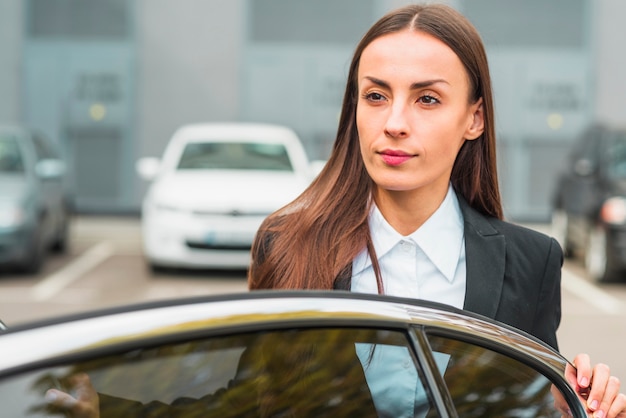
{"x": 406, "y": 246}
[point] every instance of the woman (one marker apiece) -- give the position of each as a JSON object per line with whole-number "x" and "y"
{"x": 408, "y": 203}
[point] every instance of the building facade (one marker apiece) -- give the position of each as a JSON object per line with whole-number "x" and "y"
{"x": 111, "y": 81}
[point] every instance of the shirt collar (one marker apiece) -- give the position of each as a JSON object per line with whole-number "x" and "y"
{"x": 440, "y": 237}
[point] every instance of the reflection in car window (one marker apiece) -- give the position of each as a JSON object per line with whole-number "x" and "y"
{"x": 10, "y": 156}
{"x": 234, "y": 156}
{"x": 394, "y": 381}
{"x": 616, "y": 156}
{"x": 286, "y": 373}
{"x": 483, "y": 383}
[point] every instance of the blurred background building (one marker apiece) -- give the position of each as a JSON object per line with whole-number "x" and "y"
{"x": 111, "y": 80}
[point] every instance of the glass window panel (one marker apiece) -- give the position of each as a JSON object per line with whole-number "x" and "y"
{"x": 320, "y": 21}
{"x": 303, "y": 373}
{"x": 529, "y": 23}
{"x": 484, "y": 383}
{"x": 79, "y": 19}
{"x": 616, "y": 155}
{"x": 234, "y": 156}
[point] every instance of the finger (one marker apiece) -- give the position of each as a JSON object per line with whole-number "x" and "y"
{"x": 560, "y": 404}
{"x": 601, "y": 388}
{"x": 618, "y": 408}
{"x": 60, "y": 399}
{"x": 610, "y": 395}
{"x": 583, "y": 367}
{"x": 82, "y": 387}
{"x": 571, "y": 375}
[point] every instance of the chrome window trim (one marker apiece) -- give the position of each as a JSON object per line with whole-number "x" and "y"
{"x": 439, "y": 390}
{"x": 110, "y": 327}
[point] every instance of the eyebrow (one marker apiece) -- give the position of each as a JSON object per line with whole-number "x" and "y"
{"x": 414, "y": 86}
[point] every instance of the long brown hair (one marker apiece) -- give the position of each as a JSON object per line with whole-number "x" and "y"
{"x": 311, "y": 241}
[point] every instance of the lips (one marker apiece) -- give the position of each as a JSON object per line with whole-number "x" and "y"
{"x": 395, "y": 158}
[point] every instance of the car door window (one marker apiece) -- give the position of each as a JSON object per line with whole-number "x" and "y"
{"x": 282, "y": 373}
{"x": 485, "y": 383}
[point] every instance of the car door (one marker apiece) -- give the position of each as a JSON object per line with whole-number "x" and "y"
{"x": 50, "y": 171}
{"x": 297, "y": 368}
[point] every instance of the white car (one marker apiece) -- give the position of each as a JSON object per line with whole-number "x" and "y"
{"x": 212, "y": 189}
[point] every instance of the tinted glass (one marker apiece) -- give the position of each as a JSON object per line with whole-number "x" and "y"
{"x": 616, "y": 155}
{"x": 291, "y": 373}
{"x": 79, "y": 19}
{"x": 11, "y": 160}
{"x": 319, "y": 21}
{"x": 484, "y": 383}
{"x": 44, "y": 148}
{"x": 234, "y": 156}
{"x": 529, "y": 23}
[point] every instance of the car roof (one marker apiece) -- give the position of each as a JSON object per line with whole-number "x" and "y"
{"x": 226, "y": 132}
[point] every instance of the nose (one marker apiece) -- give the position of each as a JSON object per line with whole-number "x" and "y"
{"x": 397, "y": 125}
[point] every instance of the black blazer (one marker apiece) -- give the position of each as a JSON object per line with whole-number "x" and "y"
{"x": 513, "y": 274}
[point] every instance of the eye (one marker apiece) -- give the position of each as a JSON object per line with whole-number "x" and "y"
{"x": 374, "y": 97}
{"x": 428, "y": 100}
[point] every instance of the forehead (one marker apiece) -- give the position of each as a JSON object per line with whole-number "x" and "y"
{"x": 411, "y": 54}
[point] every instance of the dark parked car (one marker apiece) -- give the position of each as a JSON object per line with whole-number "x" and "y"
{"x": 35, "y": 199}
{"x": 589, "y": 205}
{"x": 282, "y": 354}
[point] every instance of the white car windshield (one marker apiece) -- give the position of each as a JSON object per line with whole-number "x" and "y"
{"x": 234, "y": 156}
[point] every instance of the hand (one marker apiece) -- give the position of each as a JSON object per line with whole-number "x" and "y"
{"x": 83, "y": 401}
{"x": 602, "y": 391}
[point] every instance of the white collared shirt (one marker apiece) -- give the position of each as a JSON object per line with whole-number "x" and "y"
{"x": 427, "y": 264}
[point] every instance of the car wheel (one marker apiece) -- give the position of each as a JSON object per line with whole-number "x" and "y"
{"x": 559, "y": 229}
{"x": 156, "y": 269}
{"x": 598, "y": 265}
{"x": 59, "y": 244}
{"x": 33, "y": 261}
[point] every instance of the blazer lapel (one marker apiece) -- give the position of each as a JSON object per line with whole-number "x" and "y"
{"x": 485, "y": 262}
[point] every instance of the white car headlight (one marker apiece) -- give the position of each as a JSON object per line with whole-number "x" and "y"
{"x": 614, "y": 211}
{"x": 11, "y": 216}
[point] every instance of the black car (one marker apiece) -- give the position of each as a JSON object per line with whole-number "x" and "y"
{"x": 284, "y": 354}
{"x": 589, "y": 203}
{"x": 35, "y": 199}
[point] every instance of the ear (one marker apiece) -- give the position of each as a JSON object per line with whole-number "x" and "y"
{"x": 477, "y": 122}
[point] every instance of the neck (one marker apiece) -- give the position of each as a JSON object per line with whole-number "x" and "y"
{"x": 407, "y": 211}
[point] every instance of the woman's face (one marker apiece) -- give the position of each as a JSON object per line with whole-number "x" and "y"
{"x": 413, "y": 112}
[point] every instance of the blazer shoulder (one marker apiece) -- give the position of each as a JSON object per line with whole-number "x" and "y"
{"x": 528, "y": 243}
{"x": 514, "y": 230}
{"x": 519, "y": 239}
{"x": 488, "y": 226}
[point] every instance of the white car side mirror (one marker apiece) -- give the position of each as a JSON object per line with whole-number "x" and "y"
{"x": 50, "y": 169}
{"x": 148, "y": 167}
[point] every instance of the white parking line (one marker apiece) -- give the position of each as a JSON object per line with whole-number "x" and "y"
{"x": 591, "y": 294}
{"x": 53, "y": 284}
